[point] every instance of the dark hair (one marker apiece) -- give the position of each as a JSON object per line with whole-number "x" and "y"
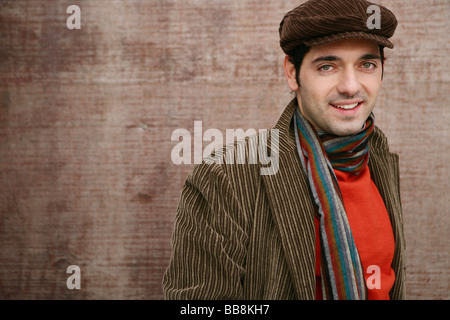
{"x": 296, "y": 58}
{"x": 298, "y": 53}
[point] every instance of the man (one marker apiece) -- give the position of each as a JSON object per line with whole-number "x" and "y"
{"x": 328, "y": 223}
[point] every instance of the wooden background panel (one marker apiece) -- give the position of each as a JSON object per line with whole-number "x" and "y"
{"x": 86, "y": 118}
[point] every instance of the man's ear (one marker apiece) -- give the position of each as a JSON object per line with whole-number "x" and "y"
{"x": 290, "y": 73}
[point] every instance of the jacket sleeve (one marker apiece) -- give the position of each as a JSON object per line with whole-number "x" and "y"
{"x": 209, "y": 241}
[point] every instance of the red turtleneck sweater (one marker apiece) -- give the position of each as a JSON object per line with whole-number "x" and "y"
{"x": 372, "y": 232}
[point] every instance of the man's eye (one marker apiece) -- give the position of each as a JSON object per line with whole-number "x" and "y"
{"x": 326, "y": 68}
{"x": 369, "y": 65}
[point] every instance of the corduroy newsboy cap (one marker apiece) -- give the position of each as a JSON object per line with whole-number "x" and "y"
{"x": 317, "y": 22}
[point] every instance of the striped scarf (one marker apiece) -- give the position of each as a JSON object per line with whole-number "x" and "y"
{"x": 341, "y": 268}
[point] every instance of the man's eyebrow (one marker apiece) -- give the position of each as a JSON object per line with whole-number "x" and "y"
{"x": 367, "y": 56}
{"x": 370, "y": 56}
{"x": 326, "y": 58}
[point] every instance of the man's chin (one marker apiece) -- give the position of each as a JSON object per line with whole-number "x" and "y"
{"x": 347, "y": 128}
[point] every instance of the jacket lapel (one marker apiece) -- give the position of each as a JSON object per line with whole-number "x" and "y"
{"x": 384, "y": 171}
{"x": 293, "y": 211}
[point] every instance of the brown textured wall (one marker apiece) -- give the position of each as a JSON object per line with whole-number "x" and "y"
{"x": 86, "y": 118}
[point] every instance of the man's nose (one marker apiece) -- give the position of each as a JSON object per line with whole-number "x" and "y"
{"x": 349, "y": 84}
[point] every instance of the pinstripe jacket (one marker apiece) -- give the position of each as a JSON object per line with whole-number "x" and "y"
{"x": 242, "y": 235}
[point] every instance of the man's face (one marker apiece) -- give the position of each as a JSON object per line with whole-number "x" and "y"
{"x": 339, "y": 84}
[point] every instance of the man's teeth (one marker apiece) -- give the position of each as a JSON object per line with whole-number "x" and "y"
{"x": 347, "y": 106}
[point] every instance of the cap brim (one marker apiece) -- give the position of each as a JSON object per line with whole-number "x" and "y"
{"x": 350, "y": 35}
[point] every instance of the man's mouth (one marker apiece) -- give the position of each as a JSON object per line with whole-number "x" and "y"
{"x": 346, "y": 106}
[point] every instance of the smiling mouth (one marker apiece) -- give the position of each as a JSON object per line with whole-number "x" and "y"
{"x": 347, "y": 106}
